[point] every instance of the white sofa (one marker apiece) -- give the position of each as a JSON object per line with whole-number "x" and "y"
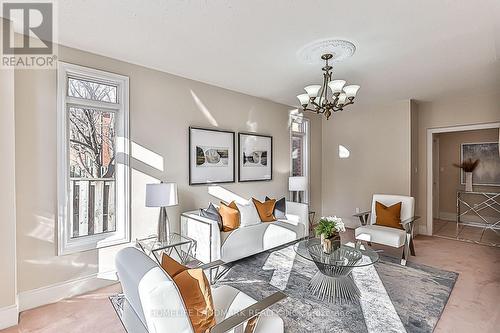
{"x": 213, "y": 244}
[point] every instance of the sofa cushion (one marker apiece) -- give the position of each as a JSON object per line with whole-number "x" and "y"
{"x": 265, "y": 209}
{"x": 279, "y": 208}
{"x": 383, "y": 235}
{"x": 212, "y": 213}
{"x": 248, "y": 214}
{"x": 230, "y": 216}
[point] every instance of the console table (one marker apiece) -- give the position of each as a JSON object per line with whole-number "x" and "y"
{"x": 489, "y": 200}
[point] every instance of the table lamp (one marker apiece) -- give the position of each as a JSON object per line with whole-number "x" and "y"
{"x": 162, "y": 195}
{"x": 297, "y": 185}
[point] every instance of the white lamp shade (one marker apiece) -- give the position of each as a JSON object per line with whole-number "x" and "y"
{"x": 297, "y": 183}
{"x": 351, "y": 90}
{"x": 161, "y": 195}
{"x": 342, "y": 98}
{"x": 312, "y": 90}
{"x": 336, "y": 85}
{"x": 304, "y": 99}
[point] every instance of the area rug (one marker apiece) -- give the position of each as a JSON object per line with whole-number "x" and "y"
{"x": 394, "y": 298}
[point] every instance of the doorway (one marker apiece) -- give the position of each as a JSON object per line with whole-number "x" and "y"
{"x": 456, "y": 214}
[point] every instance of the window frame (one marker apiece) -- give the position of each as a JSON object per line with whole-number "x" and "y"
{"x": 306, "y": 161}
{"x": 67, "y": 244}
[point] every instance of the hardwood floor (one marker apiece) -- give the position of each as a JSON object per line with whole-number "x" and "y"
{"x": 473, "y": 306}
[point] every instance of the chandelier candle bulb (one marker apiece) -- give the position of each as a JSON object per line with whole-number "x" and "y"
{"x": 312, "y": 90}
{"x": 351, "y": 90}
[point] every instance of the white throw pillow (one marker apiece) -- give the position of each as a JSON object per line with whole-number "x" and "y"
{"x": 248, "y": 214}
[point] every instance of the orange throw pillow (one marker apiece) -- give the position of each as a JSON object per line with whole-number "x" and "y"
{"x": 230, "y": 216}
{"x": 265, "y": 209}
{"x": 195, "y": 291}
{"x": 388, "y": 216}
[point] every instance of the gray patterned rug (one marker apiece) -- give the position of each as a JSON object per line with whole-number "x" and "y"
{"x": 393, "y": 298}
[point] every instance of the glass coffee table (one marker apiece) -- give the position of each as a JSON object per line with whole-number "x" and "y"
{"x": 333, "y": 282}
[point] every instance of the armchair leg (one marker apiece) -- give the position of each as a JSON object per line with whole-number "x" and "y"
{"x": 406, "y": 249}
{"x": 412, "y": 248}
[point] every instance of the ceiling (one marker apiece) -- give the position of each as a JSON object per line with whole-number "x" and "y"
{"x": 405, "y": 49}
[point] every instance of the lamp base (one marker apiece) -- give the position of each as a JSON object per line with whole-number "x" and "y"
{"x": 163, "y": 226}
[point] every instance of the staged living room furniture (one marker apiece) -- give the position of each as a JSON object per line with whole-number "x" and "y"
{"x": 394, "y": 237}
{"x": 213, "y": 244}
{"x": 333, "y": 281}
{"x": 151, "y": 302}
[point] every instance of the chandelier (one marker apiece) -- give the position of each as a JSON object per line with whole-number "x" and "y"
{"x": 317, "y": 98}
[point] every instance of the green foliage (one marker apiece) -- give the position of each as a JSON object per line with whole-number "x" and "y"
{"x": 325, "y": 227}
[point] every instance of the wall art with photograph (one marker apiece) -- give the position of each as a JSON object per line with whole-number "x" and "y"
{"x": 211, "y": 156}
{"x": 488, "y": 169}
{"x": 255, "y": 157}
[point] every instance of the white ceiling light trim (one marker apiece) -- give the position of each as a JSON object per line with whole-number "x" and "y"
{"x": 338, "y": 48}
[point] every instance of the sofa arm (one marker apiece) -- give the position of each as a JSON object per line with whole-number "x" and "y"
{"x": 205, "y": 232}
{"x": 298, "y": 212}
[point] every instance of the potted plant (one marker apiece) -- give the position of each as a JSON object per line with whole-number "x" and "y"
{"x": 328, "y": 230}
{"x": 468, "y": 166}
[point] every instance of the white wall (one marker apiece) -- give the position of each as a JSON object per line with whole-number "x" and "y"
{"x": 162, "y": 107}
{"x": 8, "y": 309}
{"x": 378, "y": 138}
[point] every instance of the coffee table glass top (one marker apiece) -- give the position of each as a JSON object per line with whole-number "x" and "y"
{"x": 345, "y": 256}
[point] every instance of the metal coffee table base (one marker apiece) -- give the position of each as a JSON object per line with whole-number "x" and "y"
{"x": 334, "y": 288}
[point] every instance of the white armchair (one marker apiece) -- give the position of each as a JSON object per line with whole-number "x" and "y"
{"x": 370, "y": 232}
{"x": 154, "y": 302}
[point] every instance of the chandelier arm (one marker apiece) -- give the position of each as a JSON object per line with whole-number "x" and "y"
{"x": 311, "y": 110}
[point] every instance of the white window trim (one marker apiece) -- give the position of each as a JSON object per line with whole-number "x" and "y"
{"x": 307, "y": 159}
{"x": 66, "y": 244}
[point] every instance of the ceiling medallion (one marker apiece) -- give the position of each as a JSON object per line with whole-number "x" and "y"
{"x": 338, "y": 48}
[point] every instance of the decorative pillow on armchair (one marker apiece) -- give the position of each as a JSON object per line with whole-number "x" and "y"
{"x": 195, "y": 291}
{"x": 388, "y": 216}
{"x": 279, "y": 208}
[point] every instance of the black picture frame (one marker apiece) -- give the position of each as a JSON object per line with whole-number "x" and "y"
{"x": 190, "y": 166}
{"x": 240, "y": 159}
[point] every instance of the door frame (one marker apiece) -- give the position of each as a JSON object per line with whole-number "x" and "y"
{"x": 430, "y": 134}
{"x": 435, "y": 177}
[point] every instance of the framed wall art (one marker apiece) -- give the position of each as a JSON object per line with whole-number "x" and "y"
{"x": 211, "y": 156}
{"x": 488, "y": 169}
{"x": 255, "y": 157}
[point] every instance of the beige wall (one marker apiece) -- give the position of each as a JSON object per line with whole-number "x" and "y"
{"x": 378, "y": 138}
{"x": 461, "y": 109}
{"x": 7, "y": 192}
{"x": 449, "y": 175}
{"x": 162, "y": 106}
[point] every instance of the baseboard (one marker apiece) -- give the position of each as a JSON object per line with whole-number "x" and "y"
{"x": 53, "y": 293}
{"x": 447, "y": 216}
{"x": 9, "y": 316}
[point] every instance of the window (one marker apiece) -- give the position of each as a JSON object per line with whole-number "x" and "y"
{"x": 93, "y": 159}
{"x": 299, "y": 143}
